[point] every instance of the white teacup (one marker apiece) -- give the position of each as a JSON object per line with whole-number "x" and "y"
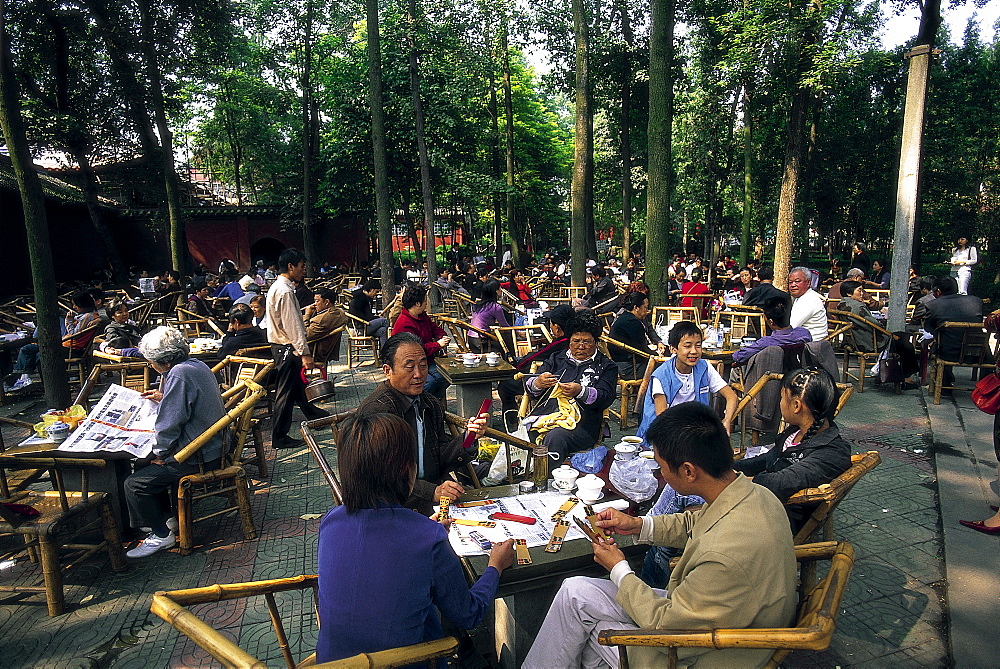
{"x": 589, "y": 488}
{"x": 470, "y": 358}
{"x": 564, "y": 478}
{"x": 625, "y": 450}
{"x": 492, "y": 358}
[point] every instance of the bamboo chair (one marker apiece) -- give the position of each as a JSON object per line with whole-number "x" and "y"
{"x": 626, "y": 386}
{"x": 815, "y": 622}
{"x": 975, "y": 353}
{"x": 829, "y": 495}
{"x": 571, "y": 292}
{"x": 742, "y": 323}
{"x": 862, "y": 341}
{"x": 357, "y": 340}
{"x": 235, "y": 370}
{"x": 230, "y": 480}
{"x": 463, "y": 306}
{"x": 698, "y": 301}
{"x": 132, "y": 373}
{"x": 171, "y": 607}
{"x": 517, "y": 341}
{"x": 668, "y": 316}
{"x": 459, "y": 332}
{"x": 78, "y": 358}
{"x": 64, "y": 516}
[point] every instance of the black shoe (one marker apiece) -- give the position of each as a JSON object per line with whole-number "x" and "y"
{"x": 287, "y": 442}
{"x": 316, "y": 413}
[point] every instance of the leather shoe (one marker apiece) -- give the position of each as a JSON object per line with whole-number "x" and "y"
{"x": 978, "y": 526}
{"x": 287, "y": 442}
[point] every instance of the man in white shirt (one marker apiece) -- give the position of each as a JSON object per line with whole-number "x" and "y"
{"x": 808, "y": 310}
{"x": 287, "y": 335}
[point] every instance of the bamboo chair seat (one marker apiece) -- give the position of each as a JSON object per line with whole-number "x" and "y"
{"x": 171, "y": 607}
{"x": 65, "y": 518}
{"x": 230, "y": 479}
{"x": 357, "y": 340}
{"x": 975, "y": 353}
{"x": 234, "y": 369}
{"x": 816, "y": 619}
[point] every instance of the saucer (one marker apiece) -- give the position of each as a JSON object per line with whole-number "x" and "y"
{"x": 592, "y": 501}
{"x": 621, "y": 459}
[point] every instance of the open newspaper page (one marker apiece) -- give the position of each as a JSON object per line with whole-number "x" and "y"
{"x": 121, "y": 421}
{"x": 538, "y": 505}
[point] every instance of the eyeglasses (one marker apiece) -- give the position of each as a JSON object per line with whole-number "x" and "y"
{"x": 581, "y": 342}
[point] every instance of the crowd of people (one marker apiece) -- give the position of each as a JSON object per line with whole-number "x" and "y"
{"x": 726, "y": 518}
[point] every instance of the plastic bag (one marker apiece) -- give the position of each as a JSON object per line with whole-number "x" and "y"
{"x": 591, "y": 461}
{"x": 498, "y": 468}
{"x": 633, "y": 479}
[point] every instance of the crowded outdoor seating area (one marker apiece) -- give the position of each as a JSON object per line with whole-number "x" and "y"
{"x": 545, "y": 432}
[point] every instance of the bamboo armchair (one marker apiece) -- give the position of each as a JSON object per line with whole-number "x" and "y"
{"x": 193, "y": 325}
{"x": 743, "y": 321}
{"x": 236, "y": 369}
{"x": 815, "y": 622}
{"x": 357, "y": 340}
{"x": 459, "y": 333}
{"x": 230, "y": 480}
{"x": 862, "y": 340}
{"x": 136, "y": 374}
{"x": 829, "y": 495}
{"x": 170, "y": 606}
{"x": 517, "y": 341}
{"x": 63, "y": 517}
{"x": 77, "y": 358}
{"x": 463, "y": 306}
{"x": 974, "y": 353}
{"x": 626, "y": 386}
{"x": 670, "y": 315}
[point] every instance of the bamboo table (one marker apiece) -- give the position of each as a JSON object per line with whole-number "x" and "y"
{"x": 527, "y": 590}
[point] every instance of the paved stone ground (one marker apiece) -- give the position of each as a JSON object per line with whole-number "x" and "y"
{"x": 895, "y": 611}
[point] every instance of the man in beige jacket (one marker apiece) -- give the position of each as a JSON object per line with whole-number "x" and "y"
{"x": 737, "y": 570}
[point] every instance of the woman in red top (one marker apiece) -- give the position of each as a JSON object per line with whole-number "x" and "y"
{"x": 696, "y": 287}
{"x": 413, "y": 318}
{"x": 519, "y": 287}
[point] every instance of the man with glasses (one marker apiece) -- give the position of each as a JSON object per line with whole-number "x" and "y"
{"x": 582, "y": 375}
{"x": 808, "y": 310}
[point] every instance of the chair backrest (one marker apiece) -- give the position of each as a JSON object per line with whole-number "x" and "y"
{"x": 826, "y": 497}
{"x": 242, "y": 411}
{"x": 669, "y": 315}
{"x": 236, "y": 369}
{"x": 975, "y": 349}
{"x": 519, "y": 341}
{"x": 55, "y": 467}
{"x": 356, "y": 327}
{"x": 742, "y": 323}
{"x": 863, "y": 335}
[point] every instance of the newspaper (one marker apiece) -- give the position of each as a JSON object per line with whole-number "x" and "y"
{"x": 121, "y": 421}
{"x": 539, "y": 505}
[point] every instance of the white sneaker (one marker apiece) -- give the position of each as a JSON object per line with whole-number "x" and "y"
{"x": 171, "y": 525}
{"x": 151, "y": 544}
{"x": 22, "y": 382}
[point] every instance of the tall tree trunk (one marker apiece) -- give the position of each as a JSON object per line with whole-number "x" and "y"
{"x": 497, "y": 170}
{"x": 90, "y": 190}
{"x": 381, "y": 173}
{"x": 36, "y": 228}
{"x": 411, "y": 227}
{"x": 178, "y": 238}
{"x": 582, "y": 220}
{"x": 425, "y": 161}
{"x": 513, "y": 225}
{"x": 661, "y": 172}
{"x": 309, "y": 115}
{"x": 626, "y": 133}
{"x": 747, "y": 176}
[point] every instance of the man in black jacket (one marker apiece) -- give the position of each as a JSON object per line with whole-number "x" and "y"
{"x": 949, "y": 306}
{"x": 437, "y": 453}
{"x": 632, "y": 329}
{"x": 764, "y": 290}
{"x": 602, "y": 290}
{"x": 242, "y": 332}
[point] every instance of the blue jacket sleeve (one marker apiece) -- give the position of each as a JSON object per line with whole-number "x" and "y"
{"x": 464, "y": 606}
{"x": 172, "y": 414}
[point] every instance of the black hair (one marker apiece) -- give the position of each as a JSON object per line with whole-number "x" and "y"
{"x": 765, "y": 274}
{"x": 946, "y": 284}
{"x": 778, "y": 308}
{"x": 290, "y": 257}
{"x": 634, "y": 300}
{"x": 817, "y": 390}
{"x": 692, "y": 432}
{"x": 387, "y": 354}
{"x": 326, "y": 294}
{"x": 489, "y": 294}
{"x": 847, "y": 288}
{"x": 414, "y": 294}
{"x": 375, "y": 458}
{"x": 683, "y": 329}
{"x": 584, "y": 320}
{"x": 561, "y": 315}
{"x": 882, "y": 263}
{"x": 200, "y": 284}
{"x": 241, "y": 313}
{"x": 84, "y": 300}
{"x": 259, "y": 298}
{"x": 927, "y": 282}
{"x": 371, "y": 284}
{"x": 598, "y": 271}
{"x": 174, "y": 274}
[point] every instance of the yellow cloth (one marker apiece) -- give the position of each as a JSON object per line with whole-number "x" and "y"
{"x": 567, "y": 416}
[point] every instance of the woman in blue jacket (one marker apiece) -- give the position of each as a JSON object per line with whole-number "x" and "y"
{"x": 384, "y": 570}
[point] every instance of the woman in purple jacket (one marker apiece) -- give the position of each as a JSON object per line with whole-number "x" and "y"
{"x": 487, "y": 312}
{"x": 384, "y": 570}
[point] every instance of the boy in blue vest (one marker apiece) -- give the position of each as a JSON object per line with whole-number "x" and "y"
{"x": 684, "y": 377}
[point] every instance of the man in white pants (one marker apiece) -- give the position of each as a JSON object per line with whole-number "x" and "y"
{"x": 737, "y": 570}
